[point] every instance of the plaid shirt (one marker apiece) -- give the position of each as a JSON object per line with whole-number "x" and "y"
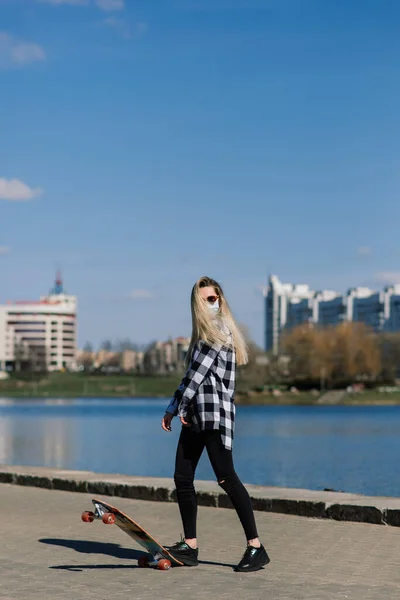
{"x": 206, "y": 394}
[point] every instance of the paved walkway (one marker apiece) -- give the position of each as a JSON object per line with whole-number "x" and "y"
{"x": 47, "y": 553}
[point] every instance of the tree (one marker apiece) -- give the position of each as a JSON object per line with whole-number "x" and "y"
{"x": 307, "y": 351}
{"x": 255, "y": 373}
{"x": 356, "y": 353}
{"x": 88, "y": 348}
{"x": 341, "y": 354}
{"x": 106, "y": 345}
{"x": 389, "y": 344}
{"x": 87, "y": 356}
{"x": 126, "y": 344}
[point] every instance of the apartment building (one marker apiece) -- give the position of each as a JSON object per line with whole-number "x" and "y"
{"x": 166, "y": 357}
{"x": 288, "y": 305}
{"x": 41, "y": 333}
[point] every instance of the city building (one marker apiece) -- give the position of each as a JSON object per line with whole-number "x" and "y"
{"x": 128, "y": 361}
{"x": 132, "y": 361}
{"x": 39, "y": 334}
{"x": 166, "y": 357}
{"x": 160, "y": 358}
{"x": 288, "y": 305}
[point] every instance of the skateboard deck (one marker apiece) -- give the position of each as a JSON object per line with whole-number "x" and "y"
{"x": 160, "y": 557}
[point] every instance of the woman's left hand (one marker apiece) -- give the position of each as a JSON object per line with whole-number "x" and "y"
{"x": 185, "y": 423}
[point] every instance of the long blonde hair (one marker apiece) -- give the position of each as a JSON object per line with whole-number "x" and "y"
{"x": 209, "y": 329}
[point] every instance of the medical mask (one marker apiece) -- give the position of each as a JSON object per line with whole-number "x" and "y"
{"x": 214, "y": 307}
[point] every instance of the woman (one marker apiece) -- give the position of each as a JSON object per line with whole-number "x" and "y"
{"x": 204, "y": 403}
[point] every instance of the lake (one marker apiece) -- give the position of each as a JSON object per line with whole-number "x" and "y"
{"x": 348, "y": 448}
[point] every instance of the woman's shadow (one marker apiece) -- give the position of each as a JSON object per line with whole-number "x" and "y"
{"x": 88, "y": 547}
{"x": 106, "y": 549}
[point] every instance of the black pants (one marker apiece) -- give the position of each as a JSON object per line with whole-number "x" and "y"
{"x": 190, "y": 448}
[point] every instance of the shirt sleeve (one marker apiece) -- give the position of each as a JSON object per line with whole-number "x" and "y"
{"x": 172, "y": 407}
{"x": 203, "y": 358}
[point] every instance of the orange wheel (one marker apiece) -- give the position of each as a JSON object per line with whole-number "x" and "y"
{"x": 108, "y": 518}
{"x": 142, "y": 562}
{"x": 164, "y": 564}
{"x": 87, "y": 516}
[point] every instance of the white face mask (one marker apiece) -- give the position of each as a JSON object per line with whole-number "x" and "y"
{"x": 214, "y": 308}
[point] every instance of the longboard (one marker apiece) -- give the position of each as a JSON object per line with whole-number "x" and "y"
{"x": 160, "y": 557}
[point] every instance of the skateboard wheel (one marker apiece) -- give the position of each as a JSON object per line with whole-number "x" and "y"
{"x": 143, "y": 562}
{"x": 164, "y": 564}
{"x": 87, "y": 516}
{"x": 108, "y": 518}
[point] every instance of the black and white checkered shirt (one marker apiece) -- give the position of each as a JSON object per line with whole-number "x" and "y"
{"x": 206, "y": 394}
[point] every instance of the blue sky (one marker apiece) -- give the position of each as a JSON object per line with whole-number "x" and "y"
{"x": 144, "y": 144}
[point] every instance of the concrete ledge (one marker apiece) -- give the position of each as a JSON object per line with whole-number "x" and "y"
{"x": 354, "y": 512}
{"x": 305, "y": 503}
{"x": 392, "y": 517}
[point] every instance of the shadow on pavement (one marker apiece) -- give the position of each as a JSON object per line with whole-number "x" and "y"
{"x": 216, "y": 564}
{"x": 78, "y": 568}
{"x": 108, "y": 549}
{"x": 87, "y": 547}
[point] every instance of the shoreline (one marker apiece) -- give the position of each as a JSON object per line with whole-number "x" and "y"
{"x": 339, "y": 506}
{"x": 256, "y": 400}
{"x": 75, "y": 385}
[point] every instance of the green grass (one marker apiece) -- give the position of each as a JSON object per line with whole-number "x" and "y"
{"x": 74, "y": 385}
{"x": 373, "y": 397}
{"x": 79, "y": 385}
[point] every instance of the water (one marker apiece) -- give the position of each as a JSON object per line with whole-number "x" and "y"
{"x": 351, "y": 448}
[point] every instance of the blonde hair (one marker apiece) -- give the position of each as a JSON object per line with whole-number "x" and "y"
{"x": 211, "y": 330}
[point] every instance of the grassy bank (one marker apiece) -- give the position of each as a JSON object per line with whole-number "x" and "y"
{"x": 75, "y": 385}
{"x": 78, "y": 385}
{"x": 373, "y": 397}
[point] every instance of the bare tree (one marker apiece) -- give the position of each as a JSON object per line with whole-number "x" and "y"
{"x": 389, "y": 344}
{"x": 107, "y": 345}
{"x": 339, "y": 354}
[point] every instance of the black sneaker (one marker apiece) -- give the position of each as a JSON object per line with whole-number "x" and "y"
{"x": 253, "y": 559}
{"x": 187, "y": 555}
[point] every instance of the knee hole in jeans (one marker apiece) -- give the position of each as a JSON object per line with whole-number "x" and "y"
{"x": 229, "y": 483}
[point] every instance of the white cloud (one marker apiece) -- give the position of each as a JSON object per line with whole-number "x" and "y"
{"x": 140, "y": 295}
{"x": 59, "y": 2}
{"x": 110, "y": 5}
{"x": 106, "y": 5}
{"x": 4, "y": 250}
{"x": 23, "y": 53}
{"x": 124, "y": 28}
{"x": 120, "y": 26}
{"x": 16, "y": 190}
{"x": 17, "y": 52}
{"x": 388, "y": 277}
{"x": 364, "y": 251}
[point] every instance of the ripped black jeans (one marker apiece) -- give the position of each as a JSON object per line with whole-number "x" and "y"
{"x": 189, "y": 451}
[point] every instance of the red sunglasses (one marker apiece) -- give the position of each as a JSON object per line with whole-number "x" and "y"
{"x": 212, "y": 299}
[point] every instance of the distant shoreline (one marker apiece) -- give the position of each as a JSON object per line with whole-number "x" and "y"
{"x": 259, "y": 400}
{"x": 78, "y": 385}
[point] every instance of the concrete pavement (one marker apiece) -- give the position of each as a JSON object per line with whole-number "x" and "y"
{"x": 48, "y": 553}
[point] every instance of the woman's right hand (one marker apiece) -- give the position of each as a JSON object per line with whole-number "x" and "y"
{"x": 166, "y": 421}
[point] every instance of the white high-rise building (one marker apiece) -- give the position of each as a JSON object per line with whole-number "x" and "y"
{"x": 288, "y": 305}
{"x": 43, "y": 332}
{"x": 279, "y": 299}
